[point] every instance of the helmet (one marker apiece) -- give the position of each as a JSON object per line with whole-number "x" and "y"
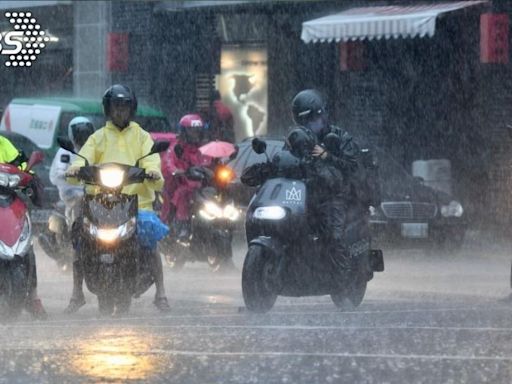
{"x": 79, "y": 130}
{"x": 300, "y": 142}
{"x": 119, "y": 95}
{"x": 191, "y": 128}
{"x": 307, "y": 105}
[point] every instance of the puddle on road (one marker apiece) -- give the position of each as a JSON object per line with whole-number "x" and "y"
{"x": 118, "y": 355}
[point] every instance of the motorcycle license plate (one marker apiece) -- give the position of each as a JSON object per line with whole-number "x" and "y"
{"x": 415, "y": 230}
{"x": 107, "y": 258}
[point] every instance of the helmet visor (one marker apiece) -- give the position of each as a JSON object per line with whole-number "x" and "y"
{"x": 120, "y": 112}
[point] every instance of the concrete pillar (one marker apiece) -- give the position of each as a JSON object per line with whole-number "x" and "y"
{"x": 92, "y": 22}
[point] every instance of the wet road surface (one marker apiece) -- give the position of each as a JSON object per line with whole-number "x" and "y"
{"x": 430, "y": 318}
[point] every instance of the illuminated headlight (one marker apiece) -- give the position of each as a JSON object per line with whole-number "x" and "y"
{"x": 270, "y": 213}
{"x": 231, "y": 212}
{"x": 8, "y": 180}
{"x": 211, "y": 211}
{"x": 111, "y": 177}
{"x": 23, "y": 244}
{"x": 452, "y": 209}
{"x": 109, "y": 235}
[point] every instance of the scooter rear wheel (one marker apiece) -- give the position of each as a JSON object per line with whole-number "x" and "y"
{"x": 258, "y": 295}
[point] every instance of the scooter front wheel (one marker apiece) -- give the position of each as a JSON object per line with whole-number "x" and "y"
{"x": 258, "y": 295}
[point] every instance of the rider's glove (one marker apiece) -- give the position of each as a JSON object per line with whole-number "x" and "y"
{"x": 153, "y": 175}
{"x": 72, "y": 172}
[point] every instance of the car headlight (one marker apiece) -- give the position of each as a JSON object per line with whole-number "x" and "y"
{"x": 111, "y": 177}
{"x": 8, "y": 180}
{"x": 452, "y": 209}
{"x": 270, "y": 213}
{"x": 109, "y": 235}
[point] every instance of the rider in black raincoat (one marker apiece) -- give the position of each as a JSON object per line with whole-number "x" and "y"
{"x": 334, "y": 163}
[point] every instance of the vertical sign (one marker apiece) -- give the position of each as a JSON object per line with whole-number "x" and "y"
{"x": 494, "y": 38}
{"x": 117, "y": 52}
{"x": 352, "y": 56}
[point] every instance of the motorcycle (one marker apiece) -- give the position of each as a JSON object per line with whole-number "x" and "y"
{"x": 115, "y": 268}
{"x": 17, "y": 260}
{"x": 285, "y": 255}
{"x": 214, "y": 217}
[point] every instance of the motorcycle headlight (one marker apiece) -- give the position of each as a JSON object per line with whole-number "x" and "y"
{"x": 452, "y": 209}
{"x": 270, "y": 213}
{"x": 211, "y": 211}
{"x": 109, "y": 235}
{"x": 21, "y": 246}
{"x": 8, "y": 180}
{"x": 231, "y": 212}
{"x": 111, "y": 177}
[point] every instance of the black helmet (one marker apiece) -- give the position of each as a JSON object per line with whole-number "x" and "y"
{"x": 306, "y": 105}
{"x": 300, "y": 142}
{"x": 120, "y": 94}
{"x": 79, "y": 130}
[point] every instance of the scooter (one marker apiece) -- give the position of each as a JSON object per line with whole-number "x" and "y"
{"x": 214, "y": 217}
{"x": 114, "y": 266}
{"x": 17, "y": 260}
{"x": 285, "y": 255}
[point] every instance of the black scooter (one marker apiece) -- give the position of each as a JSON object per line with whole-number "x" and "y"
{"x": 285, "y": 256}
{"x": 115, "y": 269}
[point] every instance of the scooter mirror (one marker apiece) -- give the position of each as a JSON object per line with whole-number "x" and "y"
{"x": 35, "y": 158}
{"x": 234, "y": 154}
{"x": 160, "y": 146}
{"x": 258, "y": 146}
{"x": 66, "y": 144}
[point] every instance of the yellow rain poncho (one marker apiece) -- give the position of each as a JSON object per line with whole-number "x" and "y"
{"x": 109, "y": 144}
{"x": 8, "y": 152}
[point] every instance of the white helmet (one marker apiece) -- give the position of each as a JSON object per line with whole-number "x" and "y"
{"x": 79, "y": 130}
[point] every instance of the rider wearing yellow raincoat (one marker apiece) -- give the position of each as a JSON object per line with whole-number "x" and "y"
{"x": 122, "y": 140}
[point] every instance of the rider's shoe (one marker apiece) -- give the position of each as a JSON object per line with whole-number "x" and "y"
{"x": 74, "y": 305}
{"x": 36, "y": 309}
{"x": 162, "y": 304}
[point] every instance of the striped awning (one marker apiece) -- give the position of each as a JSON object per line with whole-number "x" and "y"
{"x": 379, "y": 22}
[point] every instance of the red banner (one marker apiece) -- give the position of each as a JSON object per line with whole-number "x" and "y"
{"x": 494, "y": 38}
{"x": 352, "y": 57}
{"x": 117, "y": 52}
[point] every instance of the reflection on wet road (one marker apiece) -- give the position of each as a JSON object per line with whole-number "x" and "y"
{"x": 425, "y": 320}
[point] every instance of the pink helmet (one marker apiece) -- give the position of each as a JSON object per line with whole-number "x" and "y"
{"x": 191, "y": 128}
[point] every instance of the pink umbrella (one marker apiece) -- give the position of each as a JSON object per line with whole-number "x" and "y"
{"x": 217, "y": 149}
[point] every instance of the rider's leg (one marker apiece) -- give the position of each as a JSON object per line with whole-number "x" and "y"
{"x": 77, "y": 299}
{"x": 34, "y": 305}
{"x": 157, "y": 270}
{"x": 333, "y": 222}
{"x": 181, "y": 201}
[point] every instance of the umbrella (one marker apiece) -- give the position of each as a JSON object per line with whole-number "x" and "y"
{"x": 217, "y": 149}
